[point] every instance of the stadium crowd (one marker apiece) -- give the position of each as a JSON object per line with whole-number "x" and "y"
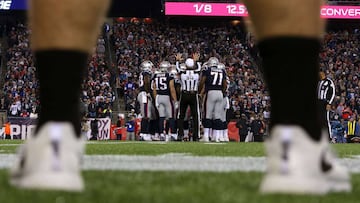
{"x": 136, "y": 42}
{"x": 339, "y": 59}
{"x": 21, "y": 86}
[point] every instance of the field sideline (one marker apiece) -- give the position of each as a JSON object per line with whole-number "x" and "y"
{"x": 172, "y": 172}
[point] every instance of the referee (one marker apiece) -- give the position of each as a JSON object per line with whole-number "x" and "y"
{"x": 189, "y": 94}
{"x": 326, "y": 95}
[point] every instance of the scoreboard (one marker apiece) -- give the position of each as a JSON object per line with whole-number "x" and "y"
{"x": 186, "y": 8}
{"x": 201, "y": 8}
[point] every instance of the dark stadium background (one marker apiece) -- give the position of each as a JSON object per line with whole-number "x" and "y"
{"x": 155, "y": 9}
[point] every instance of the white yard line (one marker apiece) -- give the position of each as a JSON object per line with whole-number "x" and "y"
{"x": 10, "y": 145}
{"x": 176, "y": 162}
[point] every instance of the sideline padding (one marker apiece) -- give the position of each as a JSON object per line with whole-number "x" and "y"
{"x": 21, "y": 128}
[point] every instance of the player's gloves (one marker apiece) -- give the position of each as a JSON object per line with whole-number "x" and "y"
{"x": 176, "y": 105}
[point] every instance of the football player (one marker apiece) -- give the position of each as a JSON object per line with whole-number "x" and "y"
{"x": 226, "y": 105}
{"x": 213, "y": 80}
{"x": 144, "y": 98}
{"x": 165, "y": 99}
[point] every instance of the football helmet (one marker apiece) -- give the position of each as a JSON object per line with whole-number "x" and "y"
{"x": 213, "y": 61}
{"x": 146, "y": 66}
{"x": 164, "y": 66}
{"x": 221, "y": 66}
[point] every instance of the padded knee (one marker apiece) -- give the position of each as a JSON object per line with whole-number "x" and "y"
{"x": 225, "y": 125}
{"x": 217, "y": 124}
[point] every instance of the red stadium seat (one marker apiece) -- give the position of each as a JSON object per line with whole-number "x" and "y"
{"x": 233, "y": 132}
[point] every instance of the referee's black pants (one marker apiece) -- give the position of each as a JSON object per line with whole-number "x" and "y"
{"x": 189, "y": 99}
{"x": 325, "y": 120}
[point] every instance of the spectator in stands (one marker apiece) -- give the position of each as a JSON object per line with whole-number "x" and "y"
{"x": 242, "y": 125}
{"x": 24, "y": 114}
{"x": 132, "y": 113}
{"x": 130, "y": 128}
{"x": 130, "y": 93}
{"x": 338, "y": 131}
{"x": 100, "y": 49}
{"x": 92, "y": 108}
{"x": 119, "y": 124}
{"x": 107, "y": 113}
{"x": 257, "y": 127}
{"x": 352, "y": 129}
{"x": 7, "y": 129}
{"x": 131, "y": 104}
{"x": 119, "y": 87}
{"x": 14, "y": 109}
{"x": 34, "y": 113}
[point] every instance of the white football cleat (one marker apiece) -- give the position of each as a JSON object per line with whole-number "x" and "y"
{"x": 216, "y": 136}
{"x": 162, "y": 137}
{"x": 155, "y": 138}
{"x": 299, "y": 165}
{"x": 293, "y": 163}
{"x": 174, "y": 137}
{"x": 146, "y": 137}
{"x": 167, "y": 138}
{"x": 204, "y": 138}
{"x": 221, "y": 138}
{"x": 51, "y": 160}
{"x": 226, "y": 136}
{"x": 337, "y": 175}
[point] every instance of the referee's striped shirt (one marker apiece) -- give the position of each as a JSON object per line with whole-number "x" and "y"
{"x": 189, "y": 78}
{"x": 326, "y": 90}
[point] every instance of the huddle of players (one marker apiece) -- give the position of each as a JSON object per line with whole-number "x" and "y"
{"x": 160, "y": 92}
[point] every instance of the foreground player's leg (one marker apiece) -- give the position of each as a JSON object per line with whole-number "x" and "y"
{"x": 289, "y": 34}
{"x": 63, "y": 35}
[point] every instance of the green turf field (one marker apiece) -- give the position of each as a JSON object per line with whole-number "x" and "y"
{"x": 198, "y": 149}
{"x": 171, "y": 187}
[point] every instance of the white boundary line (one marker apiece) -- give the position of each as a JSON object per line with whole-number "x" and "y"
{"x": 175, "y": 162}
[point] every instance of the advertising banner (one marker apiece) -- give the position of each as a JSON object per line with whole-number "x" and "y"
{"x": 23, "y": 128}
{"x": 13, "y": 4}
